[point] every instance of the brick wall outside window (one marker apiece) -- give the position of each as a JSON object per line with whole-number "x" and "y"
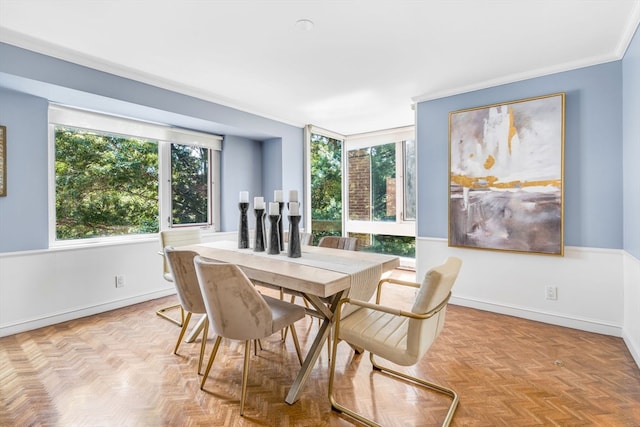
{"x": 359, "y": 185}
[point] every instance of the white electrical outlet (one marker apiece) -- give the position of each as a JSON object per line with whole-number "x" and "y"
{"x": 119, "y": 281}
{"x": 551, "y": 293}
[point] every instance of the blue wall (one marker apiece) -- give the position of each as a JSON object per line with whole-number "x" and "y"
{"x": 23, "y": 212}
{"x": 631, "y": 135}
{"x": 593, "y": 151}
{"x": 241, "y": 170}
{"x": 28, "y": 81}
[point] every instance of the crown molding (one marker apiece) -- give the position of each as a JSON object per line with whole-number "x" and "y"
{"x": 42, "y": 47}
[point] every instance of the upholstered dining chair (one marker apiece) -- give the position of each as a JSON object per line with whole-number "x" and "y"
{"x": 338, "y": 242}
{"x": 188, "y": 290}
{"x": 237, "y": 311}
{"x": 175, "y": 237}
{"x": 305, "y": 238}
{"x": 401, "y": 337}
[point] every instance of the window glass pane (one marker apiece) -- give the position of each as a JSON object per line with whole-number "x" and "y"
{"x": 106, "y": 185}
{"x": 372, "y": 183}
{"x": 326, "y": 186}
{"x": 410, "y": 180}
{"x": 189, "y": 184}
{"x": 383, "y": 182}
{"x": 403, "y": 246}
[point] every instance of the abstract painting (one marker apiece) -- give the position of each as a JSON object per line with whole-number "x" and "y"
{"x": 506, "y": 176}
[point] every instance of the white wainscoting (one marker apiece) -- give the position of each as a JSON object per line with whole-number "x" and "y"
{"x": 598, "y": 289}
{"x": 40, "y": 288}
{"x": 590, "y": 284}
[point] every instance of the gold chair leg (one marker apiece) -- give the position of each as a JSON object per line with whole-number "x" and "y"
{"x": 162, "y": 314}
{"x": 211, "y": 358}
{"x": 296, "y": 343}
{"x": 293, "y": 300}
{"x": 427, "y": 384}
{"x": 182, "y": 332}
{"x": 203, "y": 344}
{"x": 245, "y": 374}
{"x": 283, "y": 332}
{"x": 343, "y": 409}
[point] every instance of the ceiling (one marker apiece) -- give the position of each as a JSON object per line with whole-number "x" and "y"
{"x": 360, "y": 68}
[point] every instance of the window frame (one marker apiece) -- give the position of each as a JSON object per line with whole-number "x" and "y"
{"x": 402, "y": 226}
{"x": 164, "y": 135}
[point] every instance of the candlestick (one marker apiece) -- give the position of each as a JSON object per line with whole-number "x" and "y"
{"x": 294, "y": 250}
{"x": 244, "y": 197}
{"x": 260, "y": 237}
{"x": 243, "y": 228}
{"x": 274, "y": 238}
{"x": 280, "y": 231}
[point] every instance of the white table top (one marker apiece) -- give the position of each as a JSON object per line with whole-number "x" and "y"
{"x": 319, "y": 271}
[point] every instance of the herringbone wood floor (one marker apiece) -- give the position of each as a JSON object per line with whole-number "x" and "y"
{"x": 118, "y": 369}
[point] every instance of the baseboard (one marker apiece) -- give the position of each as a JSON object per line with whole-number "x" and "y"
{"x": 43, "y": 321}
{"x": 539, "y": 316}
{"x": 635, "y": 351}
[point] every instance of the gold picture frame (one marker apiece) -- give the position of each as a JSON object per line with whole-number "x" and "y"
{"x": 3, "y": 161}
{"x": 506, "y": 176}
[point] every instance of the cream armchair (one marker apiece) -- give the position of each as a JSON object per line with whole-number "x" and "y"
{"x": 237, "y": 311}
{"x": 175, "y": 237}
{"x": 188, "y": 290}
{"x": 401, "y": 337}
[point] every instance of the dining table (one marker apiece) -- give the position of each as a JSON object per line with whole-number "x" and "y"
{"x": 322, "y": 276}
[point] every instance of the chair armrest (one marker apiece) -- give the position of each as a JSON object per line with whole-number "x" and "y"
{"x": 390, "y": 310}
{"x": 393, "y": 281}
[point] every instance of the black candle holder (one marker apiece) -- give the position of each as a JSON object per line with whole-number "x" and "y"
{"x": 243, "y": 228}
{"x": 274, "y": 235}
{"x": 280, "y": 231}
{"x": 294, "y": 250}
{"x": 260, "y": 237}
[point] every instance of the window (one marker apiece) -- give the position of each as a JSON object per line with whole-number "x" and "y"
{"x": 410, "y": 175}
{"x": 376, "y": 190}
{"x": 105, "y": 185}
{"x": 326, "y": 186}
{"x": 190, "y": 188}
{"x": 114, "y": 176}
{"x": 372, "y": 183}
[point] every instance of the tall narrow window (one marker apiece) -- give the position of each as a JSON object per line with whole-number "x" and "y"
{"x": 410, "y": 174}
{"x": 189, "y": 185}
{"x": 326, "y": 186}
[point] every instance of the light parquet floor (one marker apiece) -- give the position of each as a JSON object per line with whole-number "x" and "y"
{"x": 118, "y": 369}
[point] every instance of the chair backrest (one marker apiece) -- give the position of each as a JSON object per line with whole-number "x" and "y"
{"x": 306, "y": 238}
{"x": 234, "y": 307}
{"x": 337, "y": 242}
{"x": 435, "y": 288}
{"x": 177, "y": 237}
{"x": 185, "y": 279}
